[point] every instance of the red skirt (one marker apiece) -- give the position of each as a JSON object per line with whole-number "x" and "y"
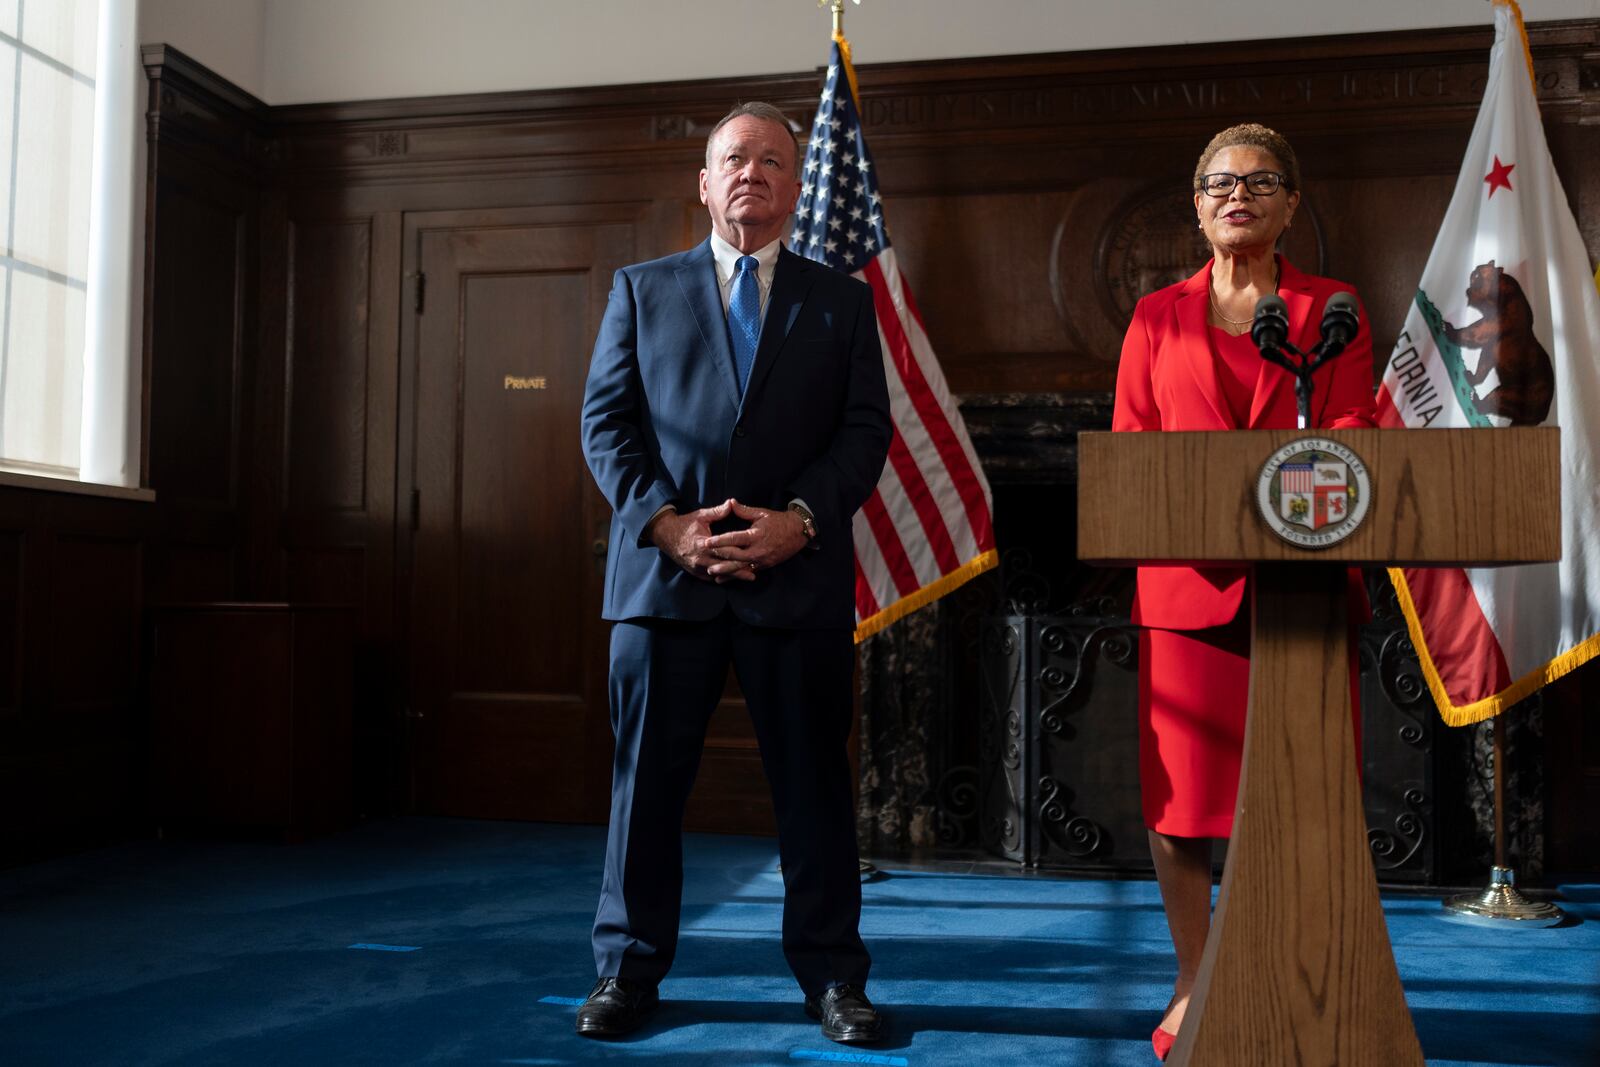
{"x": 1194, "y": 688}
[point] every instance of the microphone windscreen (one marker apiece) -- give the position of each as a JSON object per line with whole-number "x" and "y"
{"x": 1272, "y": 304}
{"x": 1340, "y": 319}
{"x": 1271, "y": 325}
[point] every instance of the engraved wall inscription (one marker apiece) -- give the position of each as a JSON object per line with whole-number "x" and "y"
{"x": 1325, "y": 90}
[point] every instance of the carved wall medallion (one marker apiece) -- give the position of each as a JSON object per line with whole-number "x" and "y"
{"x": 1152, "y": 241}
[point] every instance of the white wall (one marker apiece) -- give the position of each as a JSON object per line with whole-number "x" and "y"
{"x": 301, "y": 51}
{"x": 229, "y": 36}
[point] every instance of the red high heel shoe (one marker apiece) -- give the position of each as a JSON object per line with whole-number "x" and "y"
{"x": 1162, "y": 1041}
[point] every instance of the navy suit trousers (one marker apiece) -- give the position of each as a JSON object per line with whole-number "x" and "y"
{"x": 666, "y": 679}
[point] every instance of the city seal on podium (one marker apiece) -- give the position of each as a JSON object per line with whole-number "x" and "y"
{"x": 1313, "y": 492}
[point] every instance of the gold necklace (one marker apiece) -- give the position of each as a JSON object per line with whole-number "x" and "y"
{"x": 1211, "y": 291}
{"x": 1231, "y": 322}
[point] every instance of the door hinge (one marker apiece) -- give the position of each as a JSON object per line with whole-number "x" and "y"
{"x": 416, "y": 510}
{"x": 422, "y": 290}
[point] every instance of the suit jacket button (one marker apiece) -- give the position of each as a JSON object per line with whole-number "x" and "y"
{"x": 738, "y": 429}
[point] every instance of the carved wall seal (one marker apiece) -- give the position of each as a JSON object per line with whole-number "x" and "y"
{"x": 1152, "y": 240}
{"x": 1104, "y": 261}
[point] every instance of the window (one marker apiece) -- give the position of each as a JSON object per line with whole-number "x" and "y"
{"x": 65, "y": 208}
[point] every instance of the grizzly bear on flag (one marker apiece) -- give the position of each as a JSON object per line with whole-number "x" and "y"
{"x": 1504, "y": 334}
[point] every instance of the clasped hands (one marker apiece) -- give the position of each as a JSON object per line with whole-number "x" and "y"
{"x": 771, "y": 538}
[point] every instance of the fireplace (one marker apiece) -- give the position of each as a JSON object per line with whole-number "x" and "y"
{"x": 1000, "y": 723}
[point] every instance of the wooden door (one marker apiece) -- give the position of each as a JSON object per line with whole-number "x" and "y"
{"x": 507, "y": 651}
{"x": 507, "y": 533}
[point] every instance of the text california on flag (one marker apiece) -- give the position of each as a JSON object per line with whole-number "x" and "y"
{"x": 928, "y": 526}
{"x": 1504, "y": 330}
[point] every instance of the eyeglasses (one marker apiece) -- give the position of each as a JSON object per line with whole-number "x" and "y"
{"x": 1261, "y": 183}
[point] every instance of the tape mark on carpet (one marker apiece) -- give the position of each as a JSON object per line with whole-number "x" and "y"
{"x": 385, "y": 948}
{"x": 570, "y": 1002}
{"x": 832, "y": 1056}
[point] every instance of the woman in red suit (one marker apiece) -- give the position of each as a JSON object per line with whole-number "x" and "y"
{"x": 1188, "y": 364}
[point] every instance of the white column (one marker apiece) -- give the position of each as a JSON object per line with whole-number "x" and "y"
{"x": 109, "y": 444}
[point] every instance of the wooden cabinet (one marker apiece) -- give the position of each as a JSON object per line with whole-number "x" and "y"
{"x": 251, "y": 709}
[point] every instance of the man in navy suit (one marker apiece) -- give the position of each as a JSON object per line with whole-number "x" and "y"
{"x": 736, "y": 417}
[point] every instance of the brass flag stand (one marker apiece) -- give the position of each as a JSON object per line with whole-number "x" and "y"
{"x": 1500, "y": 903}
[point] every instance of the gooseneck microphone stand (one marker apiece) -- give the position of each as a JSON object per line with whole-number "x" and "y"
{"x": 1270, "y": 332}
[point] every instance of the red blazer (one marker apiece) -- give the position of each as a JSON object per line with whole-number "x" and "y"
{"x": 1167, "y": 380}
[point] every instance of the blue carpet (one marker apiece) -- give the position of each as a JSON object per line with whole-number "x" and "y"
{"x": 440, "y": 941}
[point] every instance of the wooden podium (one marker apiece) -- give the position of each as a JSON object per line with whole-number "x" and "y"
{"x": 1298, "y": 967}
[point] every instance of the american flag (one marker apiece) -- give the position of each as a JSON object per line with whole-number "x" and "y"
{"x": 928, "y": 526}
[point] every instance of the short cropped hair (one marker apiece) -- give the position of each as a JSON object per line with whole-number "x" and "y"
{"x": 1254, "y": 135}
{"x": 758, "y": 110}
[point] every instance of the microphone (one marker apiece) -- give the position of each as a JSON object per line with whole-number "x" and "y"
{"x": 1271, "y": 326}
{"x": 1340, "y": 321}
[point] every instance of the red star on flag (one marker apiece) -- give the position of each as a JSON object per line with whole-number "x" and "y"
{"x": 1499, "y": 175}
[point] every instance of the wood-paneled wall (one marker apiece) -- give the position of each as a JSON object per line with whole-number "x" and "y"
{"x": 72, "y": 579}
{"x": 77, "y": 571}
{"x": 1031, "y": 200}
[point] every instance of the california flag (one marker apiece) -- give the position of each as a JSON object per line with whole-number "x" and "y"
{"x": 1505, "y": 331}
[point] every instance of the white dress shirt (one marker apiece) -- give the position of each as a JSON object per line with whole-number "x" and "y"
{"x": 727, "y": 259}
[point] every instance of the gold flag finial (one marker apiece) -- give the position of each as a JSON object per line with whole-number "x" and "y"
{"x": 838, "y": 14}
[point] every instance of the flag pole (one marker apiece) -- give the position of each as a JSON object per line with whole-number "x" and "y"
{"x": 1501, "y": 903}
{"x": 837, "y": 7}
{"x": 868, "y": 871}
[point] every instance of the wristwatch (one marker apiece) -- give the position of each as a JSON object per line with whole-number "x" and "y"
{"x": 807, "y": 523}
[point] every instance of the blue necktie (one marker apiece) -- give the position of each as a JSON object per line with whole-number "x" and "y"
{"x": 744, "y": 318}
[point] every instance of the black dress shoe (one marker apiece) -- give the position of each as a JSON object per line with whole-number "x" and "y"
{"x": 846, "y": 1014}
{"x": 615, "y": 1006}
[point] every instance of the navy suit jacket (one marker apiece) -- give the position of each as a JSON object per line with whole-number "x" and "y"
{"x": 663, "y": 423}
